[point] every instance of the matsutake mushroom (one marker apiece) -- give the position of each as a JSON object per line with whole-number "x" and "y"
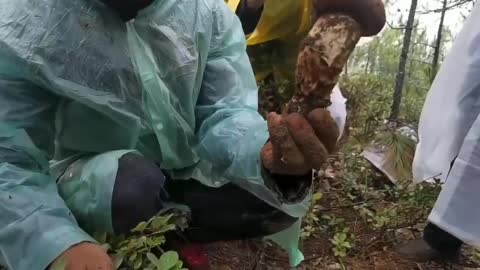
{"x": 323, "y": 54}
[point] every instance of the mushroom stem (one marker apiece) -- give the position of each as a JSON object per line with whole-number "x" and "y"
{"x": 323, "y": 54}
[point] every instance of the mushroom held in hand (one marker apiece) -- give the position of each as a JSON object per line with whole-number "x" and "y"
{"x": 325, "y": 51}
{"x": 302, "y": 139}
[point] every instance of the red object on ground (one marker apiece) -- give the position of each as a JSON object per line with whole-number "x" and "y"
{"x": 194, "y": 257}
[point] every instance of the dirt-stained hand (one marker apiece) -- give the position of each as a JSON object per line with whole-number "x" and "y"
{"x": 84, "y": 256}
{"x": 299, "y": 144}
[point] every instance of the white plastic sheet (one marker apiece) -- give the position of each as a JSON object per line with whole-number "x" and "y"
{"x": 338, "y": 109}
{"x": 450, "y": 133}
{"x": 452, "y": 105}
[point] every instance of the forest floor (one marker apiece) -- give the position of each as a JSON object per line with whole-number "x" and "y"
{"x": 352, "y": 226}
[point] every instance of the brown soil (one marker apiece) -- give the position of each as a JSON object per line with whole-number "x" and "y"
{"x": 373, "y": 249}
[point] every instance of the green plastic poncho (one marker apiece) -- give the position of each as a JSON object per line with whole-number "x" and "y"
{"x": 79, "y": 88}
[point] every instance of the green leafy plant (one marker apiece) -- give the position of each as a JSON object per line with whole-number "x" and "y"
{"x": 331, "y": 222}
{"x": 342, "y": 242}
{"x": 476, "y": 256}
{"x": 384, "y": 218}
{"x": 311, "y": 220}
{"x": 143, "y": 248}
{"x": 168, "y": 261}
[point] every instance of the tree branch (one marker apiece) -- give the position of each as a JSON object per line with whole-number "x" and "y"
{"x": 452, "y": 6}
{"x": 395, "y": 27}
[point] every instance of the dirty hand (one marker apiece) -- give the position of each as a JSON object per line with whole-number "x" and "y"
{"x": 299, "y": 144}
{"x": 84, "y": 256}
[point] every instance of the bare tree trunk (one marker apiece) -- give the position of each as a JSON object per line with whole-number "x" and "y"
{"x": 400, "y": 79}
{"x": 373, "y": 56}
{"x": 412, "y": 52}
{"x": 438, "y": 42}
{"x": 346, "y": 70}
{"x": 367, "y": 65}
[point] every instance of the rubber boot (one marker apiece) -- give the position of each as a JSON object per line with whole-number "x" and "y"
{"x": 420, "y": 251}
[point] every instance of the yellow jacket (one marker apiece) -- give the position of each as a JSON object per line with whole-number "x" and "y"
{"x": 273, "y": 45}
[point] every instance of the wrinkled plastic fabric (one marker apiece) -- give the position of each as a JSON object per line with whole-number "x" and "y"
{"x": 231, "y": 137}
{"x": 338, "y": 109}
{"x": 65, "y": 90}
{"x": 29, "y": 201}
{"x": 456, "y": 138}
{"x": 456, "y": 208}
{"x": 87, "y": 187}
{"x": 175, "y": 84}
{"x": 217, "y": 129}
{"x": 288, "y": 240}
{"x": 456, "y": 102}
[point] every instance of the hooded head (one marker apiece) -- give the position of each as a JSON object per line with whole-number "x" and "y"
{"x": 127, "y": 9}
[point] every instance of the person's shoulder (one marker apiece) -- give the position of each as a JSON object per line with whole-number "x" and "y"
{"x": 11, "y": 9}
{"x": 33, "y": 13}
{"x": 209, "y": 11}
{"x": 21, "y": 20}
{"x": 188, "y": 9}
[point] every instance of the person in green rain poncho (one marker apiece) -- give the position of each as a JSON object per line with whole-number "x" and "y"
{"x": 113, "y": 110}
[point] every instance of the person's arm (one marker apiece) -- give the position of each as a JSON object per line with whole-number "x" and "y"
{"x": 230, "y": 130}
{"x": 35, "y": 224}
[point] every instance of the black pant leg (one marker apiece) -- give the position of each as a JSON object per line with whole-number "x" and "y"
{"x": 440, "y": 239}
{"x": 226, "y": 213}
{"x": 138, "y": 193}
{"x": 218, "y": 214}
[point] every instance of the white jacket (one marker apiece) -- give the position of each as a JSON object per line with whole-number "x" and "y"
{"x": 449, "y": 134}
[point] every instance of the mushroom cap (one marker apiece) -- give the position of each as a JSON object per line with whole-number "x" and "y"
{"x": 369, "y": 13}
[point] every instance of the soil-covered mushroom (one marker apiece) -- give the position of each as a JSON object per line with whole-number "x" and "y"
{"x": 339, "y": 26}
